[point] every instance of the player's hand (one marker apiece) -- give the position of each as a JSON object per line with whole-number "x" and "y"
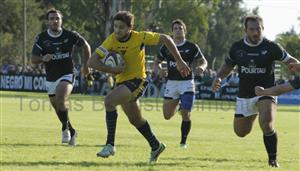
{"x": 162, "y": 73}
{"x": 216, "y": 85}
{"x": 198, "y": 71}
{"x": 47, "y": 57}
{"x": 294, "y": 67}
{"x": 259, "y": 90}
{"x": 183, "y": 68}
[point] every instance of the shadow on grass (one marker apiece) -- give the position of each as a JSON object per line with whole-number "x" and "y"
{"x": 91, "y": 164}
{"x": 56, "y": 145}
{"x": 218, "y": 160}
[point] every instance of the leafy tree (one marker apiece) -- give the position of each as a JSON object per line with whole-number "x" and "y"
{"x": 11, "y": 29}
{"x": 290, "y": 41}
{"x": 225, "y": 27}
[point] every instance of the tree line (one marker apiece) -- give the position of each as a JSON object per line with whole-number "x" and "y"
{"x": 213, "y": 24}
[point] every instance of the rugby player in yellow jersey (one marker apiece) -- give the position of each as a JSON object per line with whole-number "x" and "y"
{"x": 130, "y": 78}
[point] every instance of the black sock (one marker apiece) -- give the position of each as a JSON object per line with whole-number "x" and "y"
{"x": 145, "y": 130}
{"x": 270, "y": 141}
{"x": 63, "y": 117}
{"x": 185, "y": 129}
{"x": 111, "y": 122}
{"x": 72, "y": 130}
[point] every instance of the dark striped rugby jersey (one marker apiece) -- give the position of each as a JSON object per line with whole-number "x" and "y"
{"x": 61, "y": 46}
{"x": 189, "y": 52}
{"x": 255, "y": 64}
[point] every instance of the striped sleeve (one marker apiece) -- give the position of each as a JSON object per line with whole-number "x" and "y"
{"x": 160, "y": 55}
{"x": 279, "y": 53}
{"x": 104, "y": 48}
{"x": 37, "y": 48}
{"x": 198, "y": 53}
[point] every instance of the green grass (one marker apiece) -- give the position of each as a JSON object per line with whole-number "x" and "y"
{"x": 31, "y": 135}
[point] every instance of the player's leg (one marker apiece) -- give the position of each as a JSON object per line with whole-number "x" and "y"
{"x": 171, "y": 99}
{"x": 66, "y": 135}
{"x": 243, "y": 125}
{"x": 134, "y": 115}
{"x": 51, "y": 89}
{"x": 121, "y": 94}
{"x": 62, "y": 93}
{"x": 186, "y": 104}
{"x": 245, "y": 115}
{"x": 170, "y": 107}
{"x": 267, "y": 109}
{"x": 131, "y": 109}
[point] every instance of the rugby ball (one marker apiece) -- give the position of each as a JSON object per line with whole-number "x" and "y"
{"x": 112, "y": 59}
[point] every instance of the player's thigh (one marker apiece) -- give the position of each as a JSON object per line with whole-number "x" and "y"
{"x": 63, "y": 90}
{"x": 267, "y": 110}
{"x": 169, "y": 107}
{"x": 243, "y": 125}
{"x": 121, "y": 94}
{"x": 133, "y": 112}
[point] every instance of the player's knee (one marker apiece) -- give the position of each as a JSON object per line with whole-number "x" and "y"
{"x": 136, "y": 122}
{"x": 242, "y": 133}
{"x": 60, "y": 104}
{"x": 168, "y": 115}
{"x": 108, "y": 102}
{"x": 267, "y": 127}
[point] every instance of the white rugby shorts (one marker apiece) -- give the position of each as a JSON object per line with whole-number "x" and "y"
{"x": 51, "y": 86}
{"x": 247, "y": 106}
{"x": 175, "y": 88}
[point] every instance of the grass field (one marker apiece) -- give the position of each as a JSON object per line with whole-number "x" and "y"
{"x": 31, "y": 135}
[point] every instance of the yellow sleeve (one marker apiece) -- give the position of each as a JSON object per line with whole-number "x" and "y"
{"x": 104, "y": 48}
{"x": 150, "y": 38}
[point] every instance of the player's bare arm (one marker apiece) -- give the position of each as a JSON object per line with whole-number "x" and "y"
{"x": 157, "y": 66}
{"x": 35, "y": 59}
{"x": 200, "y": 66}
{"x": 294, "y": 66}
{"x": 222, "y": 73}
{"x": 274, "y": 91}
{"x": 181, "y": 65}
{"x": 291, "y": 60}
{"x": 96, "y": 63}
{"x": 86, "y": 54}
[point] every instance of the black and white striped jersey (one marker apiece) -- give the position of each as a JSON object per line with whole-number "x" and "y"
{"x": 189, "y": 52}
{"x": 61, "y": 47}
{"x": 255, "y": 64}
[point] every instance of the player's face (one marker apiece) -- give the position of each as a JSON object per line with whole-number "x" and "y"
{"x": 254, "y": 31}
{"x": 121, "y": 30}
{"x": 178, "y": 31}
{"x": 55, "y": 21}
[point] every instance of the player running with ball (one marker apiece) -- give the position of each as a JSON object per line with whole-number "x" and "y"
{"x": 130, "y": 79}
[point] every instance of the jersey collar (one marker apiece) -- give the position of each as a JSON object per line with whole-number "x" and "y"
{"x": 54, "y": 36}
{"x": 250, "y": 44}
{"x": 182, "y": 43}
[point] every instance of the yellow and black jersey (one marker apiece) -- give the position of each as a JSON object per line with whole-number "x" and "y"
{"x": 132, "y": 51}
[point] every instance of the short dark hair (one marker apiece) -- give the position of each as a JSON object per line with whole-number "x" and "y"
{"x": 53, "y": 10}
{"x": 125, "y": 16}
{"x": 180, "y": 22}
{"x": 253, "y": 18}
